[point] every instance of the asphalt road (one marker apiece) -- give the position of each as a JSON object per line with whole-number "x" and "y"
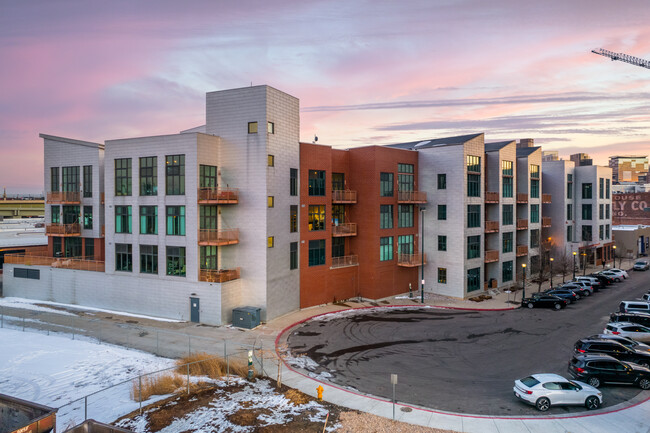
{"x": 459, "y": 361}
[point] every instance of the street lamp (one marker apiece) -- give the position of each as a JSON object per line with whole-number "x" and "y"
{"x": 614, "y": 247}
{"x": 584, "y": 264}
{"x": 551, "y": 260}
{"x": 523, "y": 293}
{"x": 574, "y": 265}
{"x": 422, "y": 210}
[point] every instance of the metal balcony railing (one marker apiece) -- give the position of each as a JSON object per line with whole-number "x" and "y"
{"x": 344, "y": 196}
{"x": 344, "y": 261}
{"x": 218, "y": 237}
{"x": 55, "y": 262}
{"x": 546, "y": 221}
{"x": 56, "y": 229}
{"x": 522, "y": 197}
{"x": 522, "y": 224}
{"x": 411, "y": 260}
{"x": 491, "y": 256}
{"x": 522, "y": 250}
{"x": 546, "y": 198}
{"x": 218, "y": 195}
{"x": 64, "y": 197}
{"x": 491, "y": 197}
{"x": 219, "y": 275}
{"x": 344, "y": 229}
{"x": 491, "y": 226}
{"x": 411, "y": 196}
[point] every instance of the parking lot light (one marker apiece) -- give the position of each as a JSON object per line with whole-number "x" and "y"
{"x": 584, "y": 264}
{"x": 574, "y": 265}
{"x": 422, "y": 210}
{"x": 523, "y": 293}
{"x": 551, "y": 260}
{"x": 614, "y": 247}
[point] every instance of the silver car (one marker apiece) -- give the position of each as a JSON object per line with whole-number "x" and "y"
{"x": 546, "y": 390}
{"x": 641, "y": 265}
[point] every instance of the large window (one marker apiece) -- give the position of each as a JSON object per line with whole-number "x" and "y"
{"x": 252, "y": 127}
{"x": 601, "y": 187}
{"x": 338, "y": 247}
{"x": 89, "y": 248}
{"x": 293, "y": 218}
{"x": 70, "y": 179}
{"x": 338, "y": 213}
{"x": 149, "y": 175}
{"x": 88, "y": 180}
{"x": 293, "y": 255}
{"x": 473, "y": 279}
{"x": 507, "y": 242}
{"x": 123, "y": 176}
{"x": 386, "y": 248}
{"x": 338, "y": 181}
{"x": 176, "y": 261}
{"x": 442, "y": 211}
{"x": 386, "y": 216}
{"x": 507, "y": 175}
{"x": 316, "y": 182}
{"x": 586, "y": 212}
{"x": 534, "y": 238}
{"x": 473, "y": 215}
{"x": 569, "y": 211}
{"x": 54, "y": 179}
{"x": 149, "y": 220}
{"x": 607, "y": 231}
{"x": 587, "y": 234}
{"x": 508, "y": 215}
{"x": 506, "y": 168}
{"x": 386, "y": 184}
{"x": 473, "y": 176}
{"x": 569, "y": 186}
{"x": 506, "y": 271}
{"x": 473, "y": 246}
{"x": 317, "y": 252}
{"x": 442, "y": 243}
{"x": 88, "y": 217}
{"x": 56, "y": 214}
{"x": 601, "y": 211}
{"x": 405, "y": 181}
{"x": 569, "y": 233}
{"x": 122, "y": 219}
{"x": 208, "y": 217}
{"x": 534, "y": 171}
{"x": 208, "y": 257}
{"x": 149, "y": 259}
{"x": 123, "y": 257}
{"x": 316, "y": 217}
{"x": 442, "y": 275}
{"x": 405, "y": 215}
{"x": 601, "y": 232}
{"x": 534, "y": 188}
{"x": 175, "y": 174}
{"x": 607, "y": 213}
{"x": 534, "y": 213}
{"x": 208, "y": 176}
{"x": 70, "y": 214}
{"x": 176, "y": 220}
{"x": 586, "y": 190}
{"x": 293, "y": 181}
{"x": 442, "y": 181}
{"x": 405, "y": 244}
{"x": 473, "y": 164}
{"x": 607, "y": 186}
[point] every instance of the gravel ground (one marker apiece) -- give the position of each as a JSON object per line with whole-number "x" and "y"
{"x": 353, "y": 422}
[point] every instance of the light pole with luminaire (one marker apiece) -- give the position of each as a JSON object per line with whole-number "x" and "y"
{"x": 551, "y": 260}
{"x": 422, "y": 210}
{"x": 584, "y": 264}
{"x": 574, "y": 265}
{"x": 523, "y": 293}
{"x": 614, "y": 247}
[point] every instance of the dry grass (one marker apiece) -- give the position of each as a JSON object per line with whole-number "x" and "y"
{"x": 156, "y": 385}
{"x": 214, "y": 367}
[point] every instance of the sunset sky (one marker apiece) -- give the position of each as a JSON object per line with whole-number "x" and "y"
{"x": 366, "y": 72}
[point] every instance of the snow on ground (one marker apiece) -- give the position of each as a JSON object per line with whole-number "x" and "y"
{"x": 56, "y": 370}
{"x": 29, "y": 304}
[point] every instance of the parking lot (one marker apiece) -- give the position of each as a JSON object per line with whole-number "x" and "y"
{"x": 458, "y": 361}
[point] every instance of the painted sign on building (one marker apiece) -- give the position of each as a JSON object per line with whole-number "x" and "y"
{"x": 631, "y": 208}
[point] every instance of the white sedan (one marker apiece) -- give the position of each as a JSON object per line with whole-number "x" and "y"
{"x": 546, "y": 390}
{"x": 630, "y": 330}
{"x": 616, "y": 275}
{"x": 622, "y": 271}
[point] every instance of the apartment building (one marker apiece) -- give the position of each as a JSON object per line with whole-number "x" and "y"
{"x": 628, "y": 168}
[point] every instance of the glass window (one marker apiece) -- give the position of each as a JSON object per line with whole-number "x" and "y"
{"x": 442, "y": 243}
{"x": 54, "y": 179}
{"x": 405, "y": 168}
{"x": 507, "y": 187}
{"x": 586, "y": 212}
{"x": 149, "y": 220}
{"x": 405, "y": 215}
{"x": 405, "y": 244}
{"x": 601, "y": 232}
{"x": 317, "y": 252}
{"x": 338, "y": 181}
{"x": 148, "y": 259}
{"x": 176, "y": 261}
{"x": 534, "y": 188}
{"x": 442, "y": 211}
{"x": 386, "y": 248}
{"x": 293, "y": 181}
{"x": 586, "y": 190}
{"x": 473, "y": 247}
{"x": 442, "y": 275}
{"x": 122, "y": 219}
{"x": 338, "y": 247}
{"x": 508, "y": 242}
{"x": 534, "y": 213}
{"x": 601, "y": 187}
{"x": 70, "y": 214}
{"x": 607, "y": 208}
{"x": 123, "y": 257}
{"x": 473, "y": 279}
{"x": 338, "y": 214}
{"x": 270, "y": 160}
{"x": 293, "y": 255}
{"x": 508, "y": 215}
{"x": 208, "y": 176}
{"x": 175, "y": 174}
{"x": 569, "y": 211}
{"x": 293, "y": 218}
{"x": 386, "y": 184}
{"x": 473, "y": 215}
{"x": 252, "y": 127}
{"x": 607, "y": 183}
{"x": 56, "y": 214}
{"x": 405, "y": 180}
{"x": 88, "y": 217}
{"x": 607, "y": 236}
{"x": 534, "y": 238}
{"x": 270, "y": 127}
{"x": 316, "y": 182}
{"x": 316, "y": 217}
{"x": 587, "y": 234}
{"x": 386, "y": 216}
{"x": 149, "y": 175}
{"x": 534, "y": 171}
{"x": 270, "y": 241}
{"x": 176, "y": 220}
{"x": 89, "y": 248}
{"x": 56, "y": 246}
{"x": 473, "y": 185}
{"x": 70, "y": 179}
{"x": 208, "y": 217}
{"x": 473, "y": 164}
{"x": 442, "y": 181}
{"x": 209, "y": 258}
{"x": 88, "y": 180}
{"x": 72, "y": 247}
{"x": 506, "y": 168}
{"x": 270, "y": 201}
{"x": 123, "y": 176}
{"x": 569, "y": 233}
{"x": 601, "y": 211}
{"x": 506, "y": 271}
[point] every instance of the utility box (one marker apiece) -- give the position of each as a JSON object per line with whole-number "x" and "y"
{"x": 246, "y": 317}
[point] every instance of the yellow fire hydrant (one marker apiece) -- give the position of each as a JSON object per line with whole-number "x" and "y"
{"x": 319, "y": 390}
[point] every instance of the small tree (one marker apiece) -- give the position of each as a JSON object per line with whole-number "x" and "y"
{"x": 565, "y": 264}
{"x": 542, "y": 268}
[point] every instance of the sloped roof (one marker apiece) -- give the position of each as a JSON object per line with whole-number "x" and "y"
{"x": 525, "y": 151}
{"x": 447, "y": 141}
{"x": 497, "y": 145}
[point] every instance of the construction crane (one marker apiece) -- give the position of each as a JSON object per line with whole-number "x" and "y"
{"x": 622, "y": 57}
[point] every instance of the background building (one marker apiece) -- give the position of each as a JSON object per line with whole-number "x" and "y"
{"x": 628, "y": 168}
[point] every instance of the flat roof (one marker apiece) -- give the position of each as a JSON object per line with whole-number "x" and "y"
{"x": 22, "y": 233}
{"x": 436, "y": 142}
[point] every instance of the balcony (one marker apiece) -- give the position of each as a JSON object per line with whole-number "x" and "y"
{"x": 411, "y": 260}
{"x": 219, "y": 275}
{"x": 491, "y": 226}
{"x": 218, "y": 237}
{"x": 491, "y": 256}
{"x": 101, "y": 198}
{"x": 56, "y": 229}
{"x": 344, "y": 196}
{"x": 522, "y": 224}
{"x": 546, "y": 221}
{"x": 344, "y": 229}
{"x": 546, "y": 198}
{"x": 491, "y": 197}
{"x": 103, "y": 231}
{"x": 522, "y": 197}
{"x": 344, "y": 261}
{"x": 65, "y": 197}
{"x": 411, "y": 196}
{"x": 522, "y": 250}
{"x": 218, "y": 196}
{"x": 55, "y": 262}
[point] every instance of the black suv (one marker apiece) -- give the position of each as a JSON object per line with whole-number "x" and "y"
{"x": 625, "y": 341}
{"x": 542, "y": 300}
{"x": 595, "y": 369}
{"x": 614, "y": 349}
{"x": 638, "y": 318}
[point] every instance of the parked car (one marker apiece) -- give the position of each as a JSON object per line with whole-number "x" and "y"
{"x": 596, "y": 369}
{"x": 634, "y": 307}
{"x": 646, "y": 297}
{"x": 622, "y": 271}
{"x": 641, "y": 265}
{"x": 542, "y": 300}
{"x": 639, "y": 318}
{"x": 617, "y": 276}
{"x": 592, "y": 281}
{"x": 613, "y": 349}
{"x": 588, "y": 284}
{"x": 567, "y": 294}
{"x": 546, "y": 390}
{"x": 604, "y": 279}
{"x": 578, "y": 289}
{"x": 625, "y": 341}
{"x": 583, "y": 284}
{"x": 631, "y": 330}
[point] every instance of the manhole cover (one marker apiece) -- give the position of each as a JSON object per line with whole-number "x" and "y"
{"x": 406, "y": 409}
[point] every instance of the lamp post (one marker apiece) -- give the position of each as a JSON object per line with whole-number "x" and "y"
{"x": 574, "y": 265}
{"x": 523, "y": 293}
{"x": 614, "y": 247}
{"x": 584, "y": 264}
{"x": 422, "y": 210}
{"x": 551, "y": 260}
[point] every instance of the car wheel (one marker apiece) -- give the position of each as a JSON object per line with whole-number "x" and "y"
{"x": 594, "y": 381}
{"x": 530, "y": 305}
{"x": 618, "y": 280}
{"x": 543, "y": 404}
{"x": 577, "y": 297}
{"x": 587, "y": 293}
{"x": 557, "y": 306}
{"x": 592, "y": 403}
{"x": 644, "y": 383}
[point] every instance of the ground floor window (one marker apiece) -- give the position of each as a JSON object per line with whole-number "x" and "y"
{"x": 473, "y": 279}
{"x": 149, "y": 259}
{"x": 73, "y": 247}
{"x": 123, "y": 257}
{"x": 442, "y": 275}
{"x": 317, "y": 252}
{"x": 176, "y": 261}
{"x": 506, "y": 271}
{"x": 89, "y": 248}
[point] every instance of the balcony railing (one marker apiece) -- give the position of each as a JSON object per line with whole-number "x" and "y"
{"x": 491, "y": 197}
{"x": 101, "y": 198}
{"x": 103, "y": 231}
{"x": 218, "y": 237}
{"x": 522, "y": 250}
{"x": 522, "y": 197}
{"x": 55, "y": 262}
{"x": 344, "y": 261}
{"x": 546, "y": 221}
{"x": 491, "y": 226}
{"x": 411, "y": 260}
{"x": 64, "y": 197}
{"x": 56, "y": 229}
{"x": 344, "y": 196}
{"x": 218, "y": 195}
{"x": 344, "y": 229}
{"x": 546, "y": 198}
{"x": 219, "y": 275}
{"x": 522, "y": 224}
{"x": 411, "y": 196}
{"x": 491, "y": 256}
